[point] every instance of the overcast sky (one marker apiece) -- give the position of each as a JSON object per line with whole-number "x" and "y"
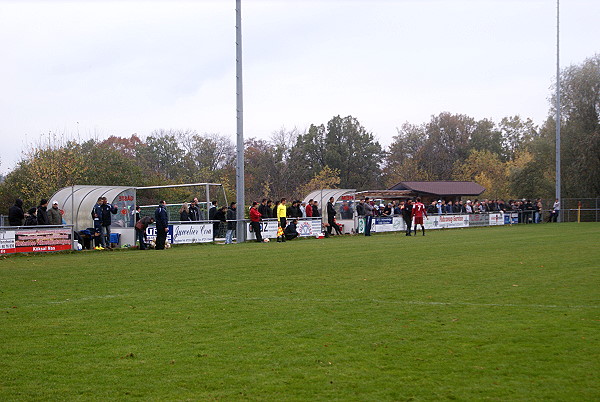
{"x": 91, "y": 69}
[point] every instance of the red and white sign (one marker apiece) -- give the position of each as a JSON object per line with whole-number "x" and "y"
{"x": 42, "y": 240}
{"x": 7, "y": 241}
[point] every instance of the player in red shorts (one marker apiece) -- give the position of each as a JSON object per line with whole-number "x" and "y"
{"x": 417, "y": 212}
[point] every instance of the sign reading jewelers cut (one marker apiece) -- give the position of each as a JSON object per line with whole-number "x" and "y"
{"x": 192, "y": 233}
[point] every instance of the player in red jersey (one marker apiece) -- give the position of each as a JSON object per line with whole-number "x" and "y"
{"x": 417, "y": 212}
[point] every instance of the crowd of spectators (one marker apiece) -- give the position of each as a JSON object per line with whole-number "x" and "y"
{"x": 34, "y": 216}
{"x": 530, "y": 211}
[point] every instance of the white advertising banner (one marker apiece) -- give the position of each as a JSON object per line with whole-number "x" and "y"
{"x": 430, "y": 222}
{"x": 383, "y": 224}
{"x": 309, "y": 227}
{"x": 192, "y": 233}
{"x": 151, "y": 234}
{"x": 496, "y": 218}
{"x": 7, "y": 241}
{"x": 268, "y": 230}
{"x": 398, "y": 224}
{"x": 452, "y": 221}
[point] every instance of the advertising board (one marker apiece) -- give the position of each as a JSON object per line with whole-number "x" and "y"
{"x": 186, "y": 233}
{"x": 41, "y": 240}
{"x": 452, "y": 221}
{"x": 7, "y": 241}
{"x": 383, "y": 224}
{"x": 268, "y": 230}
{"x": 309, "y": 227}
{"x": 511, "y": 218}
{"x": 151, "y": 234}
{"x": 306, "y": 227}
{"x": 496, "y": 218}
{"x": 479, "y": 220}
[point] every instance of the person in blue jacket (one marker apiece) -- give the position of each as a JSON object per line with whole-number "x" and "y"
{"x": 162, "y": 225}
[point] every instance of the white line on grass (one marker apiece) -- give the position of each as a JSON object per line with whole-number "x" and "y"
{"x": 315, "y": 300}
{"x": 421, "y": 303}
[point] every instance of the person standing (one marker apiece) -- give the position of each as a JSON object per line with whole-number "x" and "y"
{"x": 315, "y": 210}
{"x": 136, "y": 215}
{"x": 42, "y": 213}
{"x": 16, "y": 215}
{"x": 555, "y": 211}
{"x": 407, "y": 216}
{"x": 255, "y": 217}
{"x": 212, "y": 211}
{"x": 538, "y": 211}
{"x": 219, "y": 225}
{"x": 263, "y": 208}
{"x": 54, "y": 216}
{"x": 193, "y": 212}
{"x": 231, "y": 222}
{"x": 31, "y": 217}
{"x": 418, "y": 212}
{"x": 97, "y": 217}
{"x": 107, "y": 211}
{"x": 268, "y": 211}
{"x": 331, "y": 212}
{"x": 162, "y": 224}
{"x": 281, "y": 218}
{"x": 368, "y": 208}
{"x": 308, "y": 209}
{"x": 184, "y": 212}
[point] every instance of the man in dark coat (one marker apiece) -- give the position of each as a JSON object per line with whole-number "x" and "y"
{"x": 220, "y": 219}
{"x": 106, "y": 219}
{"x": 16, "y": 214}
{"x": 407, "y": 215}
{"x": 162, "y": 225}
{"x": 42, "y": 212}
{"x": 291, "y": 231}
{"x": 194, "y": 211}
{"x": 330, "y": 216}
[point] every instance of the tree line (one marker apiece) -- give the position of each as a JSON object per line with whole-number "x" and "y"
{"x": 512, "y": 158}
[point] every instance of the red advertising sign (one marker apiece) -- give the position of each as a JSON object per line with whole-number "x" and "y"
{"x": 41, "y": 240}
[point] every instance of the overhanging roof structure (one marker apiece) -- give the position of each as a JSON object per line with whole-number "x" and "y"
{"x": 441, "y": 188}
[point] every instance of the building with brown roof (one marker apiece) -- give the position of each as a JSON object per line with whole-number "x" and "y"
{"x": 434, "y": 190}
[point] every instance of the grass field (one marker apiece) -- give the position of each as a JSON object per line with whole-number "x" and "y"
{"x": 503, "y": 313}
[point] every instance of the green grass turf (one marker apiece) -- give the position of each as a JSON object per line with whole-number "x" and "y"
{"x": 501, "y": 313}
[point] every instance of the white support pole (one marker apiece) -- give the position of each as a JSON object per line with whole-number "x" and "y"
{"x": 240, "y": 232}
{"x": 558, "y": 196}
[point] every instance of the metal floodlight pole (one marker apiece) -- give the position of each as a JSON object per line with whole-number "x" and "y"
{"x": 239, "y": 171}
{"x": 558, "y": 107}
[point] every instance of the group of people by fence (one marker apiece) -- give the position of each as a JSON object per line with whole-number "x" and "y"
{"x": 34, "y": 216}
{"x": 530, "y": 211}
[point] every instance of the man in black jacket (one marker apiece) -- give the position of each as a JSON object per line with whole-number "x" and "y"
{"x": 331, "y": 218}
{"x": 106, "y": 220}
{"x": 291, "y": 232}
{"x": 194, "y": 211}
{"x": 16, "y": 214}
{"x": 162, "y": 225}
{"x": 407, "y": 215}
{"x": 42, "y": 212}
